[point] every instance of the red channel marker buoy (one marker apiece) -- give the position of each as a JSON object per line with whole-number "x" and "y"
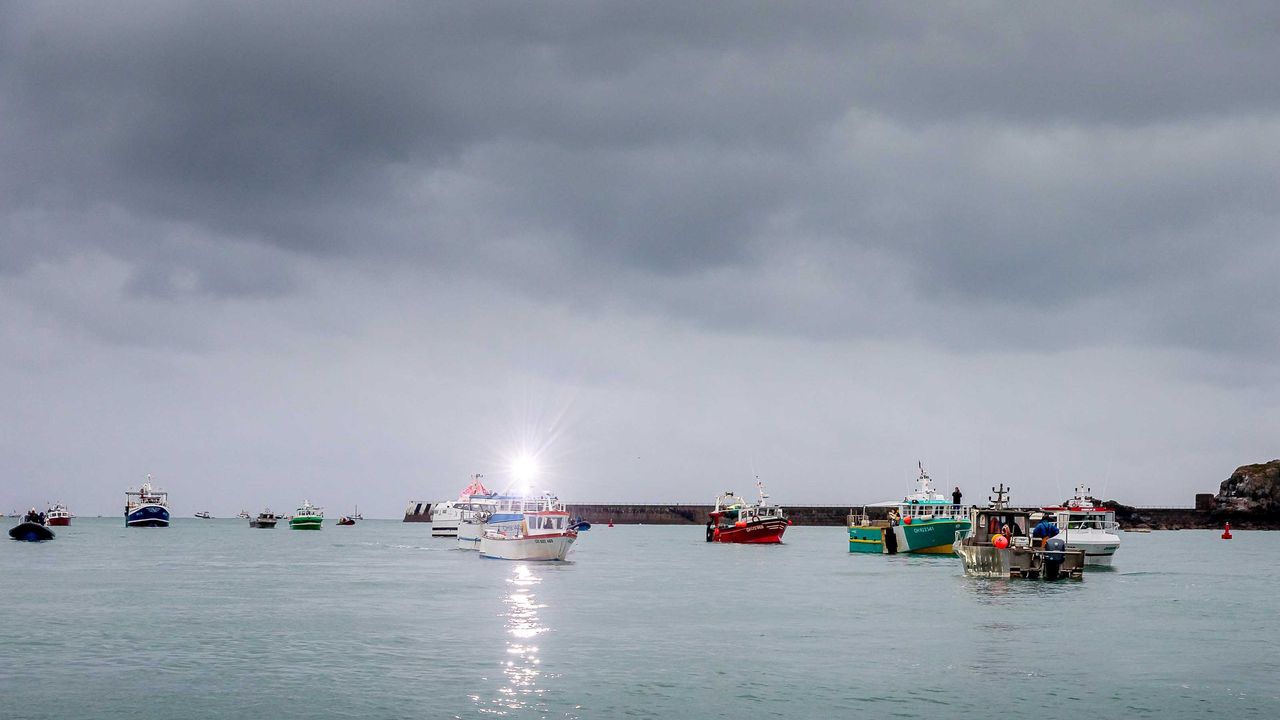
{"x": 1226, "y": 531}
{"x": 610, "y": 522}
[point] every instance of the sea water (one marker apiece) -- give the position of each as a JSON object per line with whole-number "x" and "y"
{"x": 213, "y": 619}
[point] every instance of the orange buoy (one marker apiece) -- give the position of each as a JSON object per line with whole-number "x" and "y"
{"x": 1226, "y": 531}
{"x": 906, "y": 521}
{"x": 740, "y": 524}
{"x": 1000, "y": 541}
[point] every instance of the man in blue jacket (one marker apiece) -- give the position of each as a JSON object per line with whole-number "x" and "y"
{"x": 1044, "y": 529}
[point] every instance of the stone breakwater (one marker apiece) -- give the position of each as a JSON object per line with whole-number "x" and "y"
{"x": 1249, "y": 499}
{"x": 836, "y": 515}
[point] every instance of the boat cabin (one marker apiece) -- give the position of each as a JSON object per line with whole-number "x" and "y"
{"x": 546, "y": 523}
{"x": 999, "y": 544}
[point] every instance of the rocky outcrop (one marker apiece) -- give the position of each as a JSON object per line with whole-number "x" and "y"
{"x": 1251, "y": 489}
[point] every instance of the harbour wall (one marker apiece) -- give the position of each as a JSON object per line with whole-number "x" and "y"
{"x": 418, "y": 511}
{"x": 625, "y": 514}
{"x": 1206, "y": 516}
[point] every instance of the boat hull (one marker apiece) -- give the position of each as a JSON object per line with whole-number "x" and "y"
{"x": 763, "y": 532}
{"x": 305, "y": 523}
{"x": 264, "y": 524}
{"x": 147, "y": 516}
{"x": 921, "y": 537}
{"x": 1098, "y": 548}
{"x": 58, "y": 521}
{"x": 550, "y": 548}
{"x": 469, "y": 535}
{"x": 987, "y": 561}
{"x": 30, "y": 532}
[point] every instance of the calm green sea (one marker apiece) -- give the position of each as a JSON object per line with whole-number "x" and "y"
{"x": 212, "y": 619}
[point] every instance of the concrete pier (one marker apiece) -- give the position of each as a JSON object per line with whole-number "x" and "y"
{"x": 418, "y": 511}
{"x": 837, "y": 515}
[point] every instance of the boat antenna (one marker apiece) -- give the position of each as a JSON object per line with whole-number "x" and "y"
{"x": 1001, "y": 499}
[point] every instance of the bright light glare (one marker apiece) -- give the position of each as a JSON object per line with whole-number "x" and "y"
{"x": 524, "y": 468}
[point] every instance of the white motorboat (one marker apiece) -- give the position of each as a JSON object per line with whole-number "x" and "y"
{"x": 543, "y": 535}
{"x": 446, "y": 516}
{"x": 1088, "y": 526}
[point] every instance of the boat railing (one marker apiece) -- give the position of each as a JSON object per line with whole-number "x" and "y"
{"x": 1110, "y": 526}
{"x": 926, "y": 511}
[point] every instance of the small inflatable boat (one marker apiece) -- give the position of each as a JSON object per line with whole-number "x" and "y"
{"x": 31, "y": 532}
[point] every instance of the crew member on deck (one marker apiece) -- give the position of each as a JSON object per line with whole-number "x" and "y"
{"x": 956, "y": 495}
{"x": 1044, "y": 529}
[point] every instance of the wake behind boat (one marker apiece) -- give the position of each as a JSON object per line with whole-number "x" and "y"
{"x": 146, "y": 507}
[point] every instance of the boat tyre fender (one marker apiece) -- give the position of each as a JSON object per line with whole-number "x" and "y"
{"x": 711, "y": 532}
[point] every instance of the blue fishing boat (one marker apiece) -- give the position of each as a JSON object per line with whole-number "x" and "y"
{"x": 146, "y": 507}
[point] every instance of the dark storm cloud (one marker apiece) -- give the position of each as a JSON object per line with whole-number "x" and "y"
{"x": 1019, "y": 161}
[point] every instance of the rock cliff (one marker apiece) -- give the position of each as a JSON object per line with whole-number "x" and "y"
{"x": 1251, "y": 488}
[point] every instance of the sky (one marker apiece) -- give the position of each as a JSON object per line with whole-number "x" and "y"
{"x": 355, "y": 252}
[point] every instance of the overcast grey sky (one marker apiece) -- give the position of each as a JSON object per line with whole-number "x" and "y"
{"x": 353, "y": 252}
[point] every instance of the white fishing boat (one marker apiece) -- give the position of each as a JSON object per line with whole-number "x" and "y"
{"x": 1088, "y": 526}
{"x": 501, "y": 513}
{"x": 475, "y": 505}
{"x": 543, "y": 535}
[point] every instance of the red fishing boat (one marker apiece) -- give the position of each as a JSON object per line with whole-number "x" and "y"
{"x": 736, "y": 520}
{"x": 58, "y": 515}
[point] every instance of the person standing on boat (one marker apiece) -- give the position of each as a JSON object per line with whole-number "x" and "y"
{"x": 1044, "y": 529}
{"x": 956, "y": 495}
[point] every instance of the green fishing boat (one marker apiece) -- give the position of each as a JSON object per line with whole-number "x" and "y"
{"x": 924, "y": 522}
{"x": 307, "y": 517}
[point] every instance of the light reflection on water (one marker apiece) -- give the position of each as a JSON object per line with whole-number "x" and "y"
{"x": 520, "y": 688}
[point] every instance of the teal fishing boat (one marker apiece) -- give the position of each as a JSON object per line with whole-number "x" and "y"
{"x": 924, "y": 522}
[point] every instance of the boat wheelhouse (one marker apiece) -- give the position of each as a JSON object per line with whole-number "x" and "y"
{"x": 737, "y": 520}
{"x": 924, "y": 522}
{"x": 541, "y": 535}
{"x": 1088, "y": 526}
{"x": 265, "y": 520}
{"x": 58, "y": 516}
{"x": 307, "y": 517}
{"x": 146, "y": 507}
{"x": 999, "y": 545}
